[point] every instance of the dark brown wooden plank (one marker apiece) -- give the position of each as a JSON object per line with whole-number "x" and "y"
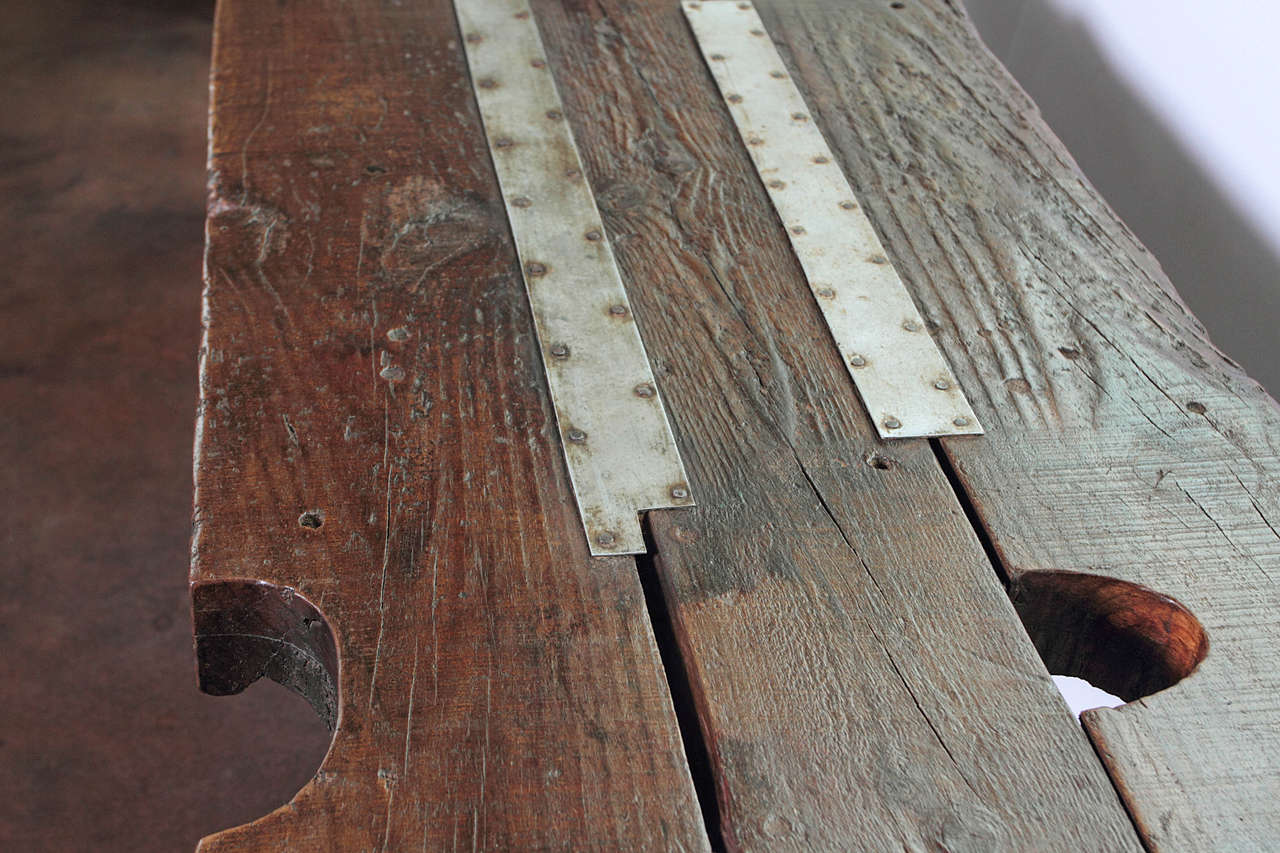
{"x": 1120, "y": 441}
{"x": 376, "y": 448}
{"x": 861, "y": 678}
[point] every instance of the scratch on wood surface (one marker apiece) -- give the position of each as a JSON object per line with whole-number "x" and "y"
{"x": 408, "y": 724}
{"x": 1226, "y": 536}
{"x": 435, "y": 639}
{"x": 364, "y": 236}
{"x": 248, "y": 140}
{"x": 484, "y": 753}
{"x": 386, "y": 547}
{"x": 1253, "y": 500}
{"x": 244, "y": 305}
{"x": 389, "y": 783}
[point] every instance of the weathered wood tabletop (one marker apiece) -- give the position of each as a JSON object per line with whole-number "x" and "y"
{"x": 826, "y": 653}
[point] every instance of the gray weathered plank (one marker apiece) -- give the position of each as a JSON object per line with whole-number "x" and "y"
{"x": 1120, "y": 441}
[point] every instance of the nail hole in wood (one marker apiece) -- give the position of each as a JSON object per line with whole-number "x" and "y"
{"x": 879, "y": 461}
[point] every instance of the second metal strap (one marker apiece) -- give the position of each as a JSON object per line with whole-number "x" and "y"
{"x": 902, "y": 377}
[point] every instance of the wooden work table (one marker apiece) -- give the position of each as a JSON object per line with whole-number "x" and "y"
{"x": 826, "y": 653}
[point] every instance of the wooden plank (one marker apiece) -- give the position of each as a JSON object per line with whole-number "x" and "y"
{"x": 376, "y": 448}
{"x": 860, "y": 676}
{"x": 1120, "y": 441}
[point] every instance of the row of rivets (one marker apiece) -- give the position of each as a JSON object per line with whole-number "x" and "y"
{"x": 526, "y": 159}
{"x": 893, "y": 423}
{"x": 751, "y": 60}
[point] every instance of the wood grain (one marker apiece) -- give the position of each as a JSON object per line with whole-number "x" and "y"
{"x": 1120, "y": 441}
{"x": 379, "y": 482}
{"x": 378, "y": 474}
{"x": 861, "y": 678}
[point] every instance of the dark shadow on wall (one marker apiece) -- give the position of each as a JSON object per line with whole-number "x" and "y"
{"x": 1226, "y": 271}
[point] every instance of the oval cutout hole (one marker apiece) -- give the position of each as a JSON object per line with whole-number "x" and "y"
{"x": 245, "y": 630}
{"x": 1123, "y": 638}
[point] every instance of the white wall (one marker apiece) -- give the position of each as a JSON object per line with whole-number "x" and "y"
{"x": 1173, "y": 111}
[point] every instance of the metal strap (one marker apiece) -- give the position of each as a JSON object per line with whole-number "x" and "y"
{"x": 902, "y": 377}
{"x": 621, "y": 454}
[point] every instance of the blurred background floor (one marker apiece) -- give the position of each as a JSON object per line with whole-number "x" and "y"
{"x": 105, "y": 742}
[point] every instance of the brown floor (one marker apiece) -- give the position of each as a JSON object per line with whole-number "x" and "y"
{"x": 105, "y": 743}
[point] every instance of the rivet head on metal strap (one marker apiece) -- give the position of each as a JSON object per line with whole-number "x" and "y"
{"x": 619, "y": 448}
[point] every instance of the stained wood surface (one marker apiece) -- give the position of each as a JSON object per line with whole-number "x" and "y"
{"x": 376, "y": 457}
{"x": 862, "y": 680}
{"x": 1120, "y": 441}
{"x": 376, "y": 450}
